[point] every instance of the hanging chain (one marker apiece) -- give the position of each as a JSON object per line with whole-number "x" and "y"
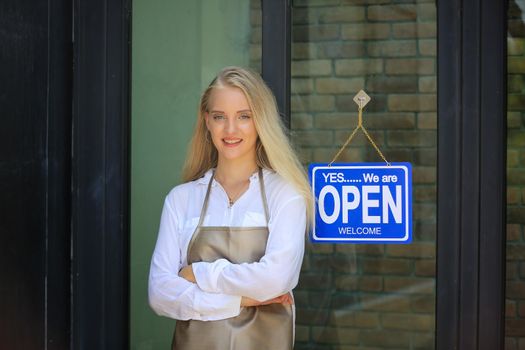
{"x": 361, "y": 99}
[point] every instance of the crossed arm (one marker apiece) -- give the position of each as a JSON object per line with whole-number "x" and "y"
{"x": 217, "y": 290}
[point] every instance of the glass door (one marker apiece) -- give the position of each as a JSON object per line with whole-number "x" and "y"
{"x": 368, "y": 296}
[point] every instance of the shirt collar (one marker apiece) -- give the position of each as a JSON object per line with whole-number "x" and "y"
{"x": 205, "y": 179}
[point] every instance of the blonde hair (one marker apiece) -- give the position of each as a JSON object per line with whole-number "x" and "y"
{"x": 273, "y": 149}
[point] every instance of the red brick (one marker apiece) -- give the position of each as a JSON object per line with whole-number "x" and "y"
{"x": 409, "y": 285}
{"x": 391, "y": 84}
{"x": 302, "y": 333}
{"x": 414, "y": 250}
{"x": 423, "y": 341}
{"x": 414, "y": 30}
{"x": 312, "y": 138}
{"x": 514, "y": 84}
{"x": 385, "y": 302}
{"x": 360, "y": 67}
{"x": 325, "y": 155}
{"x": 312, "y": 103}
{"x": 427, "y": 121}
{"x": 427, "y": 84}
{"x": 302, "y": 86}
{"x": 385, "y": 266}
{"x": 513, "y": 158}
{"x": 513, "y": 232}
{"x": 423, "y": 303}
{"x": 424, "y": 175}
{"x": 304, "y": 51}
{"x": 515, "y": 289}
{"x": 408, "y": 322}
{"x": 515, "y": 46}
{"x": 314, "y": 281}
{"x": 362, "y": 31}
{"x": 317, "y": 248}
{"x": 312, "y": 316}
{"x": 515, "y": 251}
{"x": 392, "y": 12}
{"x": 425, "y": 211}
{"x": 513, "y": 195}
{"x": 341, "y": 14}
{"x": 386, "y": 339}
{"x": 308, "y": 3}
{"x": 515, "y": 328}
{"x": 510, "y": 308}
{"x": 425, "y": 194}
{"x": 396, "y": 48}
{"x": 521, "y": 309}
{"x": 425, "y": 157}
{"x": 412, "y": 103}
{"x": 411, "y": 138}
{"x": 397, "y": 66}
{"x": 301, "y": 121}
{"x": 427, "y": 47}
{"x": 361, "y": 249}
{"x": 303, "y": 16}
{"x": 309, "y": 33}
{"x": 335, "y": 335}
{"x": 310, "y": 68}
{"x": 339, "y": 85}
{"x": 426, "y": 267}
{"x": 340, "y": 49}
{"x": 351, "y": 318}
{"x": 426, "y": 11}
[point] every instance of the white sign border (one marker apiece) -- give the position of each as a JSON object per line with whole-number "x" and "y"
{"x": 368, "y": 240}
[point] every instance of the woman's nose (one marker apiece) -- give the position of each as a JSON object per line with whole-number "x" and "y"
{"x": 231, "y": 125}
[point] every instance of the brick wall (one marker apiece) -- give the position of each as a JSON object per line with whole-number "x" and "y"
{"x": 515, "y": 292}
{"x": 366, "y": 296}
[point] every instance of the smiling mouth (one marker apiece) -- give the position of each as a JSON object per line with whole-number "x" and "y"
{"x": 232, "y": 142}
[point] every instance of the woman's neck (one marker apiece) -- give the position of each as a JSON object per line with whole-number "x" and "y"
{"x": 230, "y": 173}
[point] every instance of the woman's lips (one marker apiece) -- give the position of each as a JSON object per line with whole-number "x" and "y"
{"x": 231, "y": 142}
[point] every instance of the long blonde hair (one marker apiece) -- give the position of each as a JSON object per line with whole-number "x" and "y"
{"x": 273, "y": 149}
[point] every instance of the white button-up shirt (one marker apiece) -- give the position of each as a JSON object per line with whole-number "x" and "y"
{"x": 221, "y": 284}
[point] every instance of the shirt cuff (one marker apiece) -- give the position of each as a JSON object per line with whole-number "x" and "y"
{"x": 207, "y": 274}
{"x": 212, "y": 307}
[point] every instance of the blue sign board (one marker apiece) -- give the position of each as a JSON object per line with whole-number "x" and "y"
{"x": 362, "y": 202}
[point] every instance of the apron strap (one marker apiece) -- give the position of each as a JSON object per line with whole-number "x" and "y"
{"x": 263, "y": 195}
{"x": 206, "y": 199}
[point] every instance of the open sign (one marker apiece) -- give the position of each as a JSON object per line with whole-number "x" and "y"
{"x": 366, "y": 203}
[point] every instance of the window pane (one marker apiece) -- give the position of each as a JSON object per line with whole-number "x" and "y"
{"x": 368, "y": 296}
{"x": 178, "y": 47}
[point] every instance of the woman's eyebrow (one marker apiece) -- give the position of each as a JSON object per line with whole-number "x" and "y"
{"x": 245, "y": 111}
{"x": 215, "y": 111}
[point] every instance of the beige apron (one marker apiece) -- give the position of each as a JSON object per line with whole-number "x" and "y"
{"x": 257, "y": 328}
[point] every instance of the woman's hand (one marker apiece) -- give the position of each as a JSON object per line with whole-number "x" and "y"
{"x": 282, "y": 299}
{"x": 187, "y": 273}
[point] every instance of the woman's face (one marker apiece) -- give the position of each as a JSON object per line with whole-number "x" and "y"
{"x": 229, "y": 120}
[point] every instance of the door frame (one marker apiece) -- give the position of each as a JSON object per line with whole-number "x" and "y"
{"x": 471, "y": 167}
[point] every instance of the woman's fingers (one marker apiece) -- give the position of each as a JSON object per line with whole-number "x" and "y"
{"x": 281, "y": 299}
{"x": 187, "y": 273}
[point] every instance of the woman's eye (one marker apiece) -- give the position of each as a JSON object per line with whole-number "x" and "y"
{"x": 218, "y": 117}
{"x": 244, "y": 116}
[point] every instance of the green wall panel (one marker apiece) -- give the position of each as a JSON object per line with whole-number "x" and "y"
{"x": 177, "y": 48}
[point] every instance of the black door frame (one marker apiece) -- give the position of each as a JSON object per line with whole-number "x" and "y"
{"x": 100, "y": 212}
{"x": 471, "y": 174}
{"x": 471, "y": 167}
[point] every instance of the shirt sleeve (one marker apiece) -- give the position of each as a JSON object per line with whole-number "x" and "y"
{"x": 173, "y": 296}
{"x": 278, "y": 270}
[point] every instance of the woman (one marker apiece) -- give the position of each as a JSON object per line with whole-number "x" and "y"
{"x": 231, "y": 238}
